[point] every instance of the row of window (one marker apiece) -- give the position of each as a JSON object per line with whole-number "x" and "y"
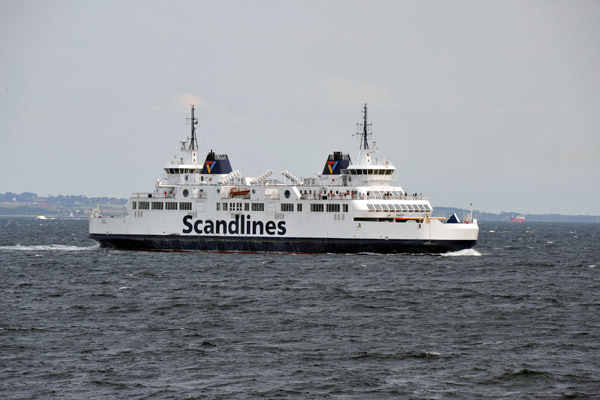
{"x": 238, "y": 206}
{"x": 184, "y": 170}
{"x": 399, "y": 207}
{"x": 285, "y": 207}
{"x": 320, "y": 207}
{"x": 371, "y": 171}
{"x": 159, "y": 205}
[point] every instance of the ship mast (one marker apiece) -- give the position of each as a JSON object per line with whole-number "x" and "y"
{"x": 366, "y": 130}
{"x": 193, "y": 122}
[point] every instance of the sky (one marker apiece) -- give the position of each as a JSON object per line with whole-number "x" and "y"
{"x": 493, "y": 103}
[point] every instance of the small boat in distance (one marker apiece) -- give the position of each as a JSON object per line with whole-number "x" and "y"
{"x": 518, "y": 218}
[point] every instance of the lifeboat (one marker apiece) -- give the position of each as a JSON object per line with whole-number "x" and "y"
{"x": 235, "y": 192}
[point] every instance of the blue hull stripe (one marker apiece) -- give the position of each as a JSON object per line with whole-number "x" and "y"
{"x": 276, "y": 244}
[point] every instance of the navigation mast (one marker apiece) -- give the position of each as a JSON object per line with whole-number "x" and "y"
{"x": 366, "y": 130}
{"x": 193, "y": 122}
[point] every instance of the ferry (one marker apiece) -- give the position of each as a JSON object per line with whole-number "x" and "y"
{"x": 349, "y": 207}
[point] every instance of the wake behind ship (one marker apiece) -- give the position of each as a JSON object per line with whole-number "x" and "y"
{"x": 205, "y": 205}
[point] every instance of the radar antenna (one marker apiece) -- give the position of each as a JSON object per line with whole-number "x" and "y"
{"x": 193, "y": 122}
{"x": 364, "y": 130}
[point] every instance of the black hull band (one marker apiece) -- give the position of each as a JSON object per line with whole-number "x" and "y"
{"x": 280, "y": 245}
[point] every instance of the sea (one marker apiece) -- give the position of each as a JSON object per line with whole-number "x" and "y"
{"x": 517, "y": 317}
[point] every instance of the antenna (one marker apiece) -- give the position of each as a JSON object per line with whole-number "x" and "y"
{"x": 366, "y": 130}
{"x": 193, "y": 121}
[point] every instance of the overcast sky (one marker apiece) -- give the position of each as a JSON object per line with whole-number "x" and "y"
{"x": 495, "y": 103}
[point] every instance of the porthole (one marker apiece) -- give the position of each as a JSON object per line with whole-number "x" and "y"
{"x": 186, "y": 193}
{"x": 286, "y": 194}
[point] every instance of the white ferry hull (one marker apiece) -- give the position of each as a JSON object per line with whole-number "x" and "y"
{"x": 281, "y": 245}
{"x": 429, "y": 236}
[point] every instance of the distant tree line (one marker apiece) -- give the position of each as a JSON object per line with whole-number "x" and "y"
{"x": 506, "y": 216}
{"x": 69, "y": 200}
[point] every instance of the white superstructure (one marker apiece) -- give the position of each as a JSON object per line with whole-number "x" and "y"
{"x": 348, "y": 208}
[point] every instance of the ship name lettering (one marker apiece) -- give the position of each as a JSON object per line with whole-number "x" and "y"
{"x": 239, "y": 226}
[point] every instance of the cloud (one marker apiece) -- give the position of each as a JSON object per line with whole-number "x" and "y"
{"x": 341, "y": 94}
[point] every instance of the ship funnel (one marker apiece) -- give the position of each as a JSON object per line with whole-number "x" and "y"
{"x": 336, "y": 162}
{"x": 216, "y": 164}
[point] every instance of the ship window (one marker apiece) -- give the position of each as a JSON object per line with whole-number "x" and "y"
{"x": 287, "y": 206}
{"x": 410, "y": 207}
{"x": 371, "y": 207}
{"x": 377, "y": 207}
{"x": 421, "y": 207}
{"x": 427, "y": 208}
{"x": 397, "y": 207}
{"x": 185, "y": 206}
{"x": 333, "y": 208}
{"x": 157, "y": 205}
{"x": 316, "y": 207}
{"x": 246, "y": 206}
{"x": 404, "y": 207}
{"x": 170, "y": 205}
{"x": 144, "y": 205}
{"x": 345, "y": 207}
{"x": 224, "y": 206}
{"x": 287, "y": 195}
{"x": 186, "y": 193}
{"x": 218, "y": 206}
{"x": 258, "y": 206}
{"x": 238, "y": 206}
{"x": 299, "y": 207}
{"x": 133, "y": 205}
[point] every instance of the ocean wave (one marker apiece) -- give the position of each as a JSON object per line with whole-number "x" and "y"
{"x": 462, "y": 253}
{"x": 49, "y": 247}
